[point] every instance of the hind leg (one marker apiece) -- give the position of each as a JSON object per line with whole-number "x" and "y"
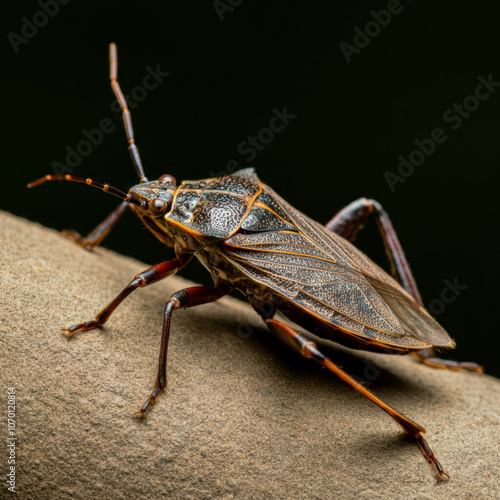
{"x": 309, "y": 349}
{"x": 348, "y": 222}
{"x": 426, "y": 356}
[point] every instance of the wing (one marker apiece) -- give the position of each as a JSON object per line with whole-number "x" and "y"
{"x": 326, "y": 275}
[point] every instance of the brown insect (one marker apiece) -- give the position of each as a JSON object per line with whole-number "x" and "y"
{"x": 252, "y": 240}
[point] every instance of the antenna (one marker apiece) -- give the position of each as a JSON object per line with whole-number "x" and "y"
{"x": 104, "y": 187}
{"x": 127, "y": 117}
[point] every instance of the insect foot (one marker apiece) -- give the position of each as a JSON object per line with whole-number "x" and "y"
{"x": 141, "y": 414}
{"x": 151, "y": 400}
{"x": 89, "y": 325}
{"x": 77, "y": 238}
{"x": 428, "y": 453}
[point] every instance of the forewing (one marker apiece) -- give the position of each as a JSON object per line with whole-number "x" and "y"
{"x": 326, "y": 275}
{"x": 414, "y": 319}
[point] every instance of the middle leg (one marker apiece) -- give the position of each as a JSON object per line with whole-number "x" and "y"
{"x": 188, "y": 297}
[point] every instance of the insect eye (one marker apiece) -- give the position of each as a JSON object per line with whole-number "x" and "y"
{"x": 157, "y": 207}
{"x": 167, "y": 178}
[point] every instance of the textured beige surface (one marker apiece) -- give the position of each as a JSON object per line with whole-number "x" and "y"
{"x": 242, "y": 417}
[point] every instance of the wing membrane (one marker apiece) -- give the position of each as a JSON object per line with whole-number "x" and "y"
{"x": 326, "y": 275}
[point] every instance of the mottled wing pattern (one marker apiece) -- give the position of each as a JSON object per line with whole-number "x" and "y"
{"x": 329, "y": 277}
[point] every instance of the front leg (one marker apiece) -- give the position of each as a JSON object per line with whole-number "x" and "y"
{"x": 348, "y": 222}
{"x": 188, "y": 297}
{"x": 147, "y": 277}
{"x": 95, "y": 237}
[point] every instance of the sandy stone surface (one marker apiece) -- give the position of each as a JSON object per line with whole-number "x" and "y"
{"x": 243, "y": 417}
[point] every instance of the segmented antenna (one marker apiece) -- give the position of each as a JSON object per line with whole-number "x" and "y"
{"x": 103, "y": 187}
{"x": 127, "y": 117}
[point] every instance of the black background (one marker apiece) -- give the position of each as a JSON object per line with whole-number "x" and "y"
{"x": 352, "y": 122}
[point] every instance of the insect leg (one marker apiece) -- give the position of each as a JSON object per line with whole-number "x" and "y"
{"x": 349, "y": 221}
{"x": 188, "y": 297}
{"x": 309, "y": 349}
{"x": 147, "y": 277}
{"x": 95, "y": 237}
{"x": 426, "y": 356}
{"x": 127, "y": 117}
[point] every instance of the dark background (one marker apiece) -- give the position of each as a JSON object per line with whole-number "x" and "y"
{"x": 353, "y": 121}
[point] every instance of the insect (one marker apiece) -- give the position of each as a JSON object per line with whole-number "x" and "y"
{"x": 250, "y": 239}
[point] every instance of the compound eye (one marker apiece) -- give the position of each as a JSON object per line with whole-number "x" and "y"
{"x": 167, "y": 179}
{"x": 157, "y": 207}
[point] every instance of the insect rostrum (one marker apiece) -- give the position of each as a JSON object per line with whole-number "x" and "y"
{"x": 250, "y": 239}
